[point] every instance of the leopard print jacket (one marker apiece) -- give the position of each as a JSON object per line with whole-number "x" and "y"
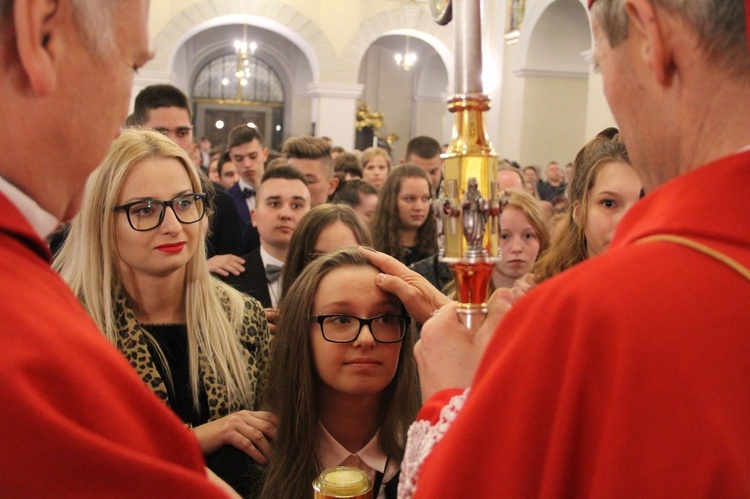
{"x": 253, "y": 336}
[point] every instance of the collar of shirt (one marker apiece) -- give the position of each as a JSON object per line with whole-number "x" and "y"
{"x": 43, "y": 222}
{"x": 245, "y": 185}
{"x": 369, "y": 459}
{"x": 268, "y": 259}
{"x": 250, "y": 200}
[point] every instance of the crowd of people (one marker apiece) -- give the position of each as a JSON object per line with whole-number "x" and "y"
{"x": 231, "y": 320}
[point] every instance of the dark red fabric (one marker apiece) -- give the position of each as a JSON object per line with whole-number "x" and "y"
{"x": 76, "y": 419}
{"x": 626, "y": 376}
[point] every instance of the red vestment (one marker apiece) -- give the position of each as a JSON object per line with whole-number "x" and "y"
{"x": 76, "y": 421}
{"x": 628, "y": 375}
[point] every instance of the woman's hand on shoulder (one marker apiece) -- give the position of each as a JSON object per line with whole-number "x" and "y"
{"x": 250, "y": 431}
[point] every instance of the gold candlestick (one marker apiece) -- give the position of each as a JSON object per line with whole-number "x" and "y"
{"x": 470, "y": 208}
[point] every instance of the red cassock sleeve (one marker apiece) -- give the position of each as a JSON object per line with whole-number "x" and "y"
{"x": 76, "y": 419}
{"x": 626, "y": 376}
{"x": 636, "y": 392}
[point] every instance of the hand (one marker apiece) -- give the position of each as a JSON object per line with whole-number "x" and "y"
{"x": 448, "y": 353}
{"x": 522, "y": 286}
{"x": 223, "y": 265}
{"x": 420, "y": 298}
{"x": 249, "y": 431}
{"x": 272, "y": 316}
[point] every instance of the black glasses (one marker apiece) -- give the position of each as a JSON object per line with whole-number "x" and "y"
{"x": 149, "y": 213}
{"x": 339, "y": 328}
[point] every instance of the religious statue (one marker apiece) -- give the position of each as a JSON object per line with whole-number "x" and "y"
{"x": 474, "y": 208}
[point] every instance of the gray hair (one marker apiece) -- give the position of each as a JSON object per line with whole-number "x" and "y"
{"x": 719, "y": 25}
{"x": 96, "y": 21}
{"x": 94, "y": 18}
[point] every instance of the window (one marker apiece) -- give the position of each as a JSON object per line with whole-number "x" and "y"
{"x": 217, "y": 80}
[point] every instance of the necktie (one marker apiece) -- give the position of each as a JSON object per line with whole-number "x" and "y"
{"x": 273, "y": 272}
{"x": 248, "y": 193}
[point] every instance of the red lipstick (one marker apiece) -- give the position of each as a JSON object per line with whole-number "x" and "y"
{"x": 171, "y": 248}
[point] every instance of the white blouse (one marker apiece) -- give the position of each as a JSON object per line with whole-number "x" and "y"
{"x": 369, "y": 459}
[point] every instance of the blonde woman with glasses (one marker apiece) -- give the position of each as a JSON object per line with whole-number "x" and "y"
{"x": 135, "y": 258}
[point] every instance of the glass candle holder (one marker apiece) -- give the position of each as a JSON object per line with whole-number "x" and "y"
{"x": 342, "y": 482}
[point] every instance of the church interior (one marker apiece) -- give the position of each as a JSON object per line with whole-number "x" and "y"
{"x": 312, "y": 67}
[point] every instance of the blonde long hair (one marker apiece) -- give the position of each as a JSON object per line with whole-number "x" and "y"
{"x": 87, "y": 262}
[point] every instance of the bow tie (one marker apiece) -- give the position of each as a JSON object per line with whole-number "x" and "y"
{"x": 273, "y": 272}
{"x": 248, "y": 193}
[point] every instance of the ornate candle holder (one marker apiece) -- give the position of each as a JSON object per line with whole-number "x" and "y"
{"x": 470, "y": 208}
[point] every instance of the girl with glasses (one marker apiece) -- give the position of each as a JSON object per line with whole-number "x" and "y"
{"x": 342, "y": 380}
{"x": 136, "y": 259}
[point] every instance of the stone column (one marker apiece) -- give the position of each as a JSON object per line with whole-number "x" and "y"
{"x": 334, "y": 107}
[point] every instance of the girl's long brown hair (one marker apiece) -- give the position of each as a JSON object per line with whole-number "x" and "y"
{"x": 386, "y": 224}
{"x": 291, "y": 389}
{"x": 306, "y": 234}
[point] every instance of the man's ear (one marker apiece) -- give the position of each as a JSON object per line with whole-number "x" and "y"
{"x": 654, "y": 35}
{"x": 252, "y": 216}
{"x": 37, "y": 38}
{"x": 332, "y": 184}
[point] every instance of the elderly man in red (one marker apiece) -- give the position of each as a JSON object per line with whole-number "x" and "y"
{"x": 626, "y": 376}
{"x": 76, "y": 419}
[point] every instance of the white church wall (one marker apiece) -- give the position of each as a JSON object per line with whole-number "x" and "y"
{"x": 553, "y": 126}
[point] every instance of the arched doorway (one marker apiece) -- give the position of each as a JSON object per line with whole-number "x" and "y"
{"x": 412, "y": 101}
{"x": 207, "y": 29}
{"x": 222, "y": 99}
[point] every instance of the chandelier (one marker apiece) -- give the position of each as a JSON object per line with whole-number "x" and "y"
{"x": 406, "y": 60}
{"x": 244, "y": 50}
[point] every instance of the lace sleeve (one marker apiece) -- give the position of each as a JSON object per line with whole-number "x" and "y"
{"x": 421, "y": 438}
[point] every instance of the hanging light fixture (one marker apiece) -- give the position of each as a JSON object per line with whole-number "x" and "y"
{"x": 244, "y": 50}
{"x": 406, "y": 60}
